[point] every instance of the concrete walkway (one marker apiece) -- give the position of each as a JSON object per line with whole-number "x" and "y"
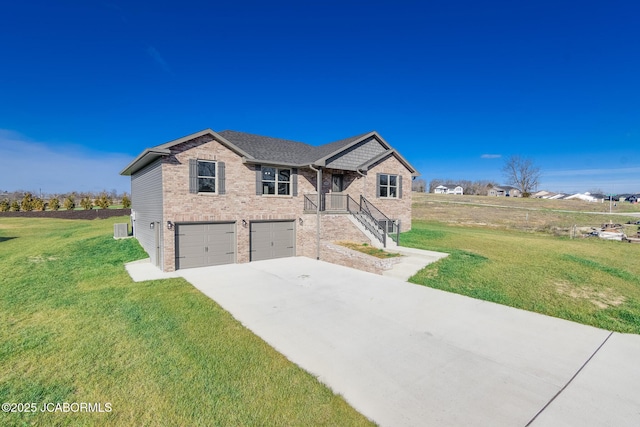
{"x": 412, "y": 261}
{"x": 142, "y": 270}
{"x": 407, "y": 355}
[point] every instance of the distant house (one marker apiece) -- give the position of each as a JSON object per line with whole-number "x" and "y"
{"x": 449, "y": 189}
{"x": 504, "y": 191}
{"x": 558, "y": 196}
{"x": 587, "y": 197}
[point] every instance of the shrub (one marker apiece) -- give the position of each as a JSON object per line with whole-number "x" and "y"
{"x": 5, "y": 206}
{"x": 126, "y": 202}
{"x": 69, "y": 203}
{"x": 38, "y": 204}
{"x": 86, "y": 203}
{"x": 27, "y": 202}
{"x": 103, "y": 201}
{"x": 54, "y": 204}
{"x": 15, "y": 206}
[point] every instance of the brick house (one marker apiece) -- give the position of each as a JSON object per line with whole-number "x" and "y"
{"x": 504, "y": 190}
{"x": 224, "y": 197}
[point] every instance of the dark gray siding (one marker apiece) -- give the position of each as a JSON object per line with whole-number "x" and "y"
{"x": 356, "y": 155}
{"x": 146, "y": 203}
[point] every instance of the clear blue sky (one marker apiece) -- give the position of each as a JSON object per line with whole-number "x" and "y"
{"x": 455, "y": 86}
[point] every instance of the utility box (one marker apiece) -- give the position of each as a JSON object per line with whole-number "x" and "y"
{"x": 121, "y": 231}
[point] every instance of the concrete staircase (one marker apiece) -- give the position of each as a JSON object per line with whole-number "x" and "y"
{"x": 358, "y": 219}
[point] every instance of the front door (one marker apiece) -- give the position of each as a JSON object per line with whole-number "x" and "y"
{"x": 336, "y": 198}
{"x": 336, "y": 183}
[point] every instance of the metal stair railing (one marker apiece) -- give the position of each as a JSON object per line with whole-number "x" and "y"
{"x": 388, "y": 226}
{"x": 310, "y": 205}
{"x": 365, "y": 218}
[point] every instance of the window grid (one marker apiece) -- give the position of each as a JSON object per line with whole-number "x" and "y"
{"x": 206, "y": 176}
{"x": 388, "y": 185}
{"x": 276, "y": 181}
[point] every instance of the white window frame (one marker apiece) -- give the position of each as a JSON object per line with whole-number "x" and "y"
{"x": 276, "y": 181}
{"x": 388, "y": 186}
{"x": 215, "y": 177}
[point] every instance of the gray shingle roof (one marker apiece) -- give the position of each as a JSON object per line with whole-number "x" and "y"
{"x": 267, "y": 148}
{"x": 282, "y": 150}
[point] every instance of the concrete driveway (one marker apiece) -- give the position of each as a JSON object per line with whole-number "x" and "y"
{"x": 407, "y": 355}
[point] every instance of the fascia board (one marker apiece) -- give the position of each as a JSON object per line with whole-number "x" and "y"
{"x": 146, "y": 157}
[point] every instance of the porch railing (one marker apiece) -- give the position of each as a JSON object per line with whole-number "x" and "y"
{"x": 376, "y": 222}
{"x": 329, "y": 202}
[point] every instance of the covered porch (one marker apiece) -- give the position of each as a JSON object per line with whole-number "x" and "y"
{"x": 368, "y": 215}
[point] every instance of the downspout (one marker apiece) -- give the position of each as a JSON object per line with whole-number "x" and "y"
{"x": 319, "y": 189}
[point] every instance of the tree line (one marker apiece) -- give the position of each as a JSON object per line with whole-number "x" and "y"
{"x": 20, "y": 201}
{"x": 518, "y": 171}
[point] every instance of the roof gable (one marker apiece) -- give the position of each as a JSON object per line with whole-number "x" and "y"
{"x": 355, "y": 153}
{"x": 151, "y": 154}
{"x": 323, "y": 152}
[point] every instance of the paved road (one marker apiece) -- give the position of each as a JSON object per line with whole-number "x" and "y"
{"x": 407, "y": 355}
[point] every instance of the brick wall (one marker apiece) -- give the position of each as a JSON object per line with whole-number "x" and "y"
{"x": 392, "y": 208}
{"x": 241, "y": 202}
{"x": 340, "y": 255}
{"x": 356, "y": 185}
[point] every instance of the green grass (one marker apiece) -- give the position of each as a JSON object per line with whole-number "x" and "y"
{"x": 75, "y": 328}
{"x": 591, "y": 281}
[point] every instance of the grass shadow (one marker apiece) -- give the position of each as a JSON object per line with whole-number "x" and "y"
{"x": 4, "y": 239}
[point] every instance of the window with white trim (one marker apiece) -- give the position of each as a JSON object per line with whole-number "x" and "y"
{"x": 388, "y": 185}
{"x": 207, "y": 176}
{"x": 276, "y": 181}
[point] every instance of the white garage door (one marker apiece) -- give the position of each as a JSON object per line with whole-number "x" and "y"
{"x": 205, "y": 244}
{"x": 273, "y": 239}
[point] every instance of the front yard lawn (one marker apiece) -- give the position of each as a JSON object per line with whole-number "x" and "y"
{"x": 74, "y": 328}
{"x": 591, "y": 281}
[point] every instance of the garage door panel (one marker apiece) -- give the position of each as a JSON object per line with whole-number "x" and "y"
{"x": 200, "y": 245}
{"x": 274, "y": 239}
{"x": 282, "y": 252}
{"x": 191, "y": 251}
{"x": 191, "y": 262}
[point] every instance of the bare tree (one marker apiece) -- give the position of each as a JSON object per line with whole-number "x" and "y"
{"x": 521, "y": 173}
{"x": 419, "y": 185}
